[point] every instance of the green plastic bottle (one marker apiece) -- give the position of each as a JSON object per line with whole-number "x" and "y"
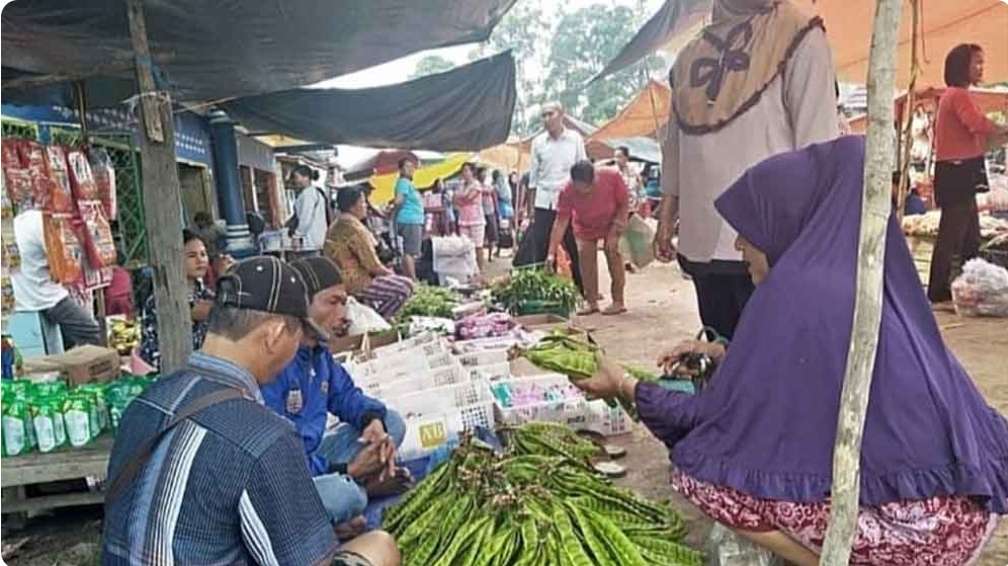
{"x": 77, "y": 416}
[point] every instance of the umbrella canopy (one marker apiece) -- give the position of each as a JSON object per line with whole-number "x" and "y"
{"x": 988, "y": 99}
{"x": 423, "y": 178}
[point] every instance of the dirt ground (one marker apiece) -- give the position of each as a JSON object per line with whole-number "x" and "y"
{"x": 662, "y": 311}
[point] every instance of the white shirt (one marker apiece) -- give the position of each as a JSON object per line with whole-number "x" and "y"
{"x": 797, "y": 109}
{"x": 551, "y": 162}
{"x": 310, "y": 207}
{"x": 34, "y": 289}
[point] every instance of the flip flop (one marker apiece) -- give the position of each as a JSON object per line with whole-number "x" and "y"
{"x": 351, "y": 529}
{"x": 588, "y": 311}
{"x": 612, "y": 311}
{"x": 401, "y": 482}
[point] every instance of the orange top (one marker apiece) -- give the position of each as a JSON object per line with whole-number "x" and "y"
{"x": 961, "y": 129}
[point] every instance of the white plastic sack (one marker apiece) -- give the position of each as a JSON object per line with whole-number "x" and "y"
{"x": 635, "y": 244}
{"x": 364, "y": 319}
{"x": 981, "y": 290}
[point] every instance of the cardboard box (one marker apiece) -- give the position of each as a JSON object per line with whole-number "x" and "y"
{"x": 353, "y": 343}
{"x": 83, "y": 364}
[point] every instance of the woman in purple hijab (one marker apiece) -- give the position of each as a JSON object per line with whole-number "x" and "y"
{"x": 754, "y": 449}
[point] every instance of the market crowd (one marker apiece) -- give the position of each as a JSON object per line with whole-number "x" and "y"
{"x": 230, "y": 459}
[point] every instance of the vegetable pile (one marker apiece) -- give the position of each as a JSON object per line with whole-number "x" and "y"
{"x": 429, "y": 301}
{"x": 537, "y": 504}
{"x": 563, "y": 353}
{"x": 535, "y": 284}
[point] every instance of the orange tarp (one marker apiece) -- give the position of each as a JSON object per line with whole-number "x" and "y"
{"x": 944, "y": 24}
{"x": 642, "y": 116}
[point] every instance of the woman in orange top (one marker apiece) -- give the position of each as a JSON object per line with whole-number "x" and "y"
{"x": 352, "y": 247}
{"x": 962, "y": 134}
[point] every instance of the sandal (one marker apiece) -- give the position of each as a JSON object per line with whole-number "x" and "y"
{"x": 587, "y": 311}
{"x": 351, "y": 529}
{"x": 399, "y": 483}
{"x": 613, "y": 310}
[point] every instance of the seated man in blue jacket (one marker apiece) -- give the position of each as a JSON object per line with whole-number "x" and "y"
{"x": 358, "y": 457}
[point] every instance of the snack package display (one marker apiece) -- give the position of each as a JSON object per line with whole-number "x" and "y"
{"x": 34, "y": 159}
{"x": 62, "y": 248}
{"x": 60, "y": 195}
{"x": 104, "y": 178}
{"x": 17, "y": 180}
{"x": 96, "y": 234}
{"x": 81, "y": 180}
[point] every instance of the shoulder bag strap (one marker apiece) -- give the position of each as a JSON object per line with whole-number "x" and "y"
{"x": 143, "y": 453}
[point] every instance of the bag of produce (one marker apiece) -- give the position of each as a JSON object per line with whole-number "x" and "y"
{"x": 981, "y": 290}
{"x": 636, "y": 242}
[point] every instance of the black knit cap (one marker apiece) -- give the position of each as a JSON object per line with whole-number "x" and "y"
{"x": 319, "y": 273}
{"x": 267, "y": 284}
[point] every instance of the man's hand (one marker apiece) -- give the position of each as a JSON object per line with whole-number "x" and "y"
{"x": 374, "y": 433}
{"x": 664, "y": 249}
{"x": 201, "y": 310}
{"x": 367, "y": 463}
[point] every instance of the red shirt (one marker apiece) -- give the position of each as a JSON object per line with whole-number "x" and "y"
{"x": 961, "y": 129}
{"x": 593, "y": 213}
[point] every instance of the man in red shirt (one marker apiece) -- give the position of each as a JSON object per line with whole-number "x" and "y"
{"x": 597, "y": 202}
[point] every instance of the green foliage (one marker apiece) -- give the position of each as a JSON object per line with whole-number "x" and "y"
{"x": 430, "y": 65}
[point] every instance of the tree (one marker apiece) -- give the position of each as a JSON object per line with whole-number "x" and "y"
{"x": 584, "y": 41}
{"x": 524, "y": 31}
{"x": 430, "y": 65}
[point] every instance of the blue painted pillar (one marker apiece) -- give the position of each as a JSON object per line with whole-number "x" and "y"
{"x": 229, "y": 191}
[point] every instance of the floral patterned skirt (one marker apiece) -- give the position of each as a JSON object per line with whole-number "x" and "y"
{"x": 937, "y": 531}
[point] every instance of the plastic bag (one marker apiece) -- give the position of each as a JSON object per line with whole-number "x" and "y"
{"x": 96, "y": 235}
{"x": 725, "y": 548}
{"x": 636, "y": 242}
{"x": 104, "y": 177}
{"x": 60, "y": 194}
{"x": 981, "y": 290}
{"x": 63, "y": 249}
{"x": 81, "y": 180}
{"x": 364, "y": 319}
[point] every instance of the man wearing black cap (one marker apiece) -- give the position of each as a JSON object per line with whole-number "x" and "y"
{"x": 201, "y": 472}
{"x": 357, "y": 459}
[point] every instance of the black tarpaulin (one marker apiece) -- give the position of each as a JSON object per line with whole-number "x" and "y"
{"x": 467, "y": 108}
{"x": 674, "y": 17}
{"x": 208, "y": 50}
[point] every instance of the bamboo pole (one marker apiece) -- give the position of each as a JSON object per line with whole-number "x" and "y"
{"x": 875, "y": 210}
{"x": 906, "y": 138}
{"x": 162, "y": 203}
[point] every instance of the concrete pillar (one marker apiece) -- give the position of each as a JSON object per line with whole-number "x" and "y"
{"x": 229, "y": 190}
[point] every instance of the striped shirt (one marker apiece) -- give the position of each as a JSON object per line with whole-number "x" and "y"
{"x": 225, "y": 486}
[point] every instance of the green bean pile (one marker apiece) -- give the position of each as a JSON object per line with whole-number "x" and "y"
{"x": 481, "y": 508}
{"x": 428, "y": 300}
{"x": 562, "y": 353}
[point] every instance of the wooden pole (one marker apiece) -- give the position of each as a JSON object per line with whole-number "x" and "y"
{"x": 875, "y": 210}
{"x": 908, "y": 114}
{"x": 162, "y": 203}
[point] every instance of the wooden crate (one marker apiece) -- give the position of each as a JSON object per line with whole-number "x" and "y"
{"x": 38, "y": 468}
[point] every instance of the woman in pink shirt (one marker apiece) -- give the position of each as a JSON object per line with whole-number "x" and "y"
{"x": 962, "y": 134}
{"x": 469, "y": 200}
{"x": 597, "y": 202}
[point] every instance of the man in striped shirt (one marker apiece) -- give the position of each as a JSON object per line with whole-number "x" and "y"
{"x": 201, "y": 472}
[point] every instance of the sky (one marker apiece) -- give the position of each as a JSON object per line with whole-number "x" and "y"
{"x": 394, "y": 71}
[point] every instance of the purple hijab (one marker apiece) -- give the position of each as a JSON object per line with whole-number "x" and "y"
{"x": 766, "y": 423}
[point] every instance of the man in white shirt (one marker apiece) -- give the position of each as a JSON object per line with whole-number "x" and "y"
{"x": 554, "y": 152}
{"x": 35, "y": 290}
